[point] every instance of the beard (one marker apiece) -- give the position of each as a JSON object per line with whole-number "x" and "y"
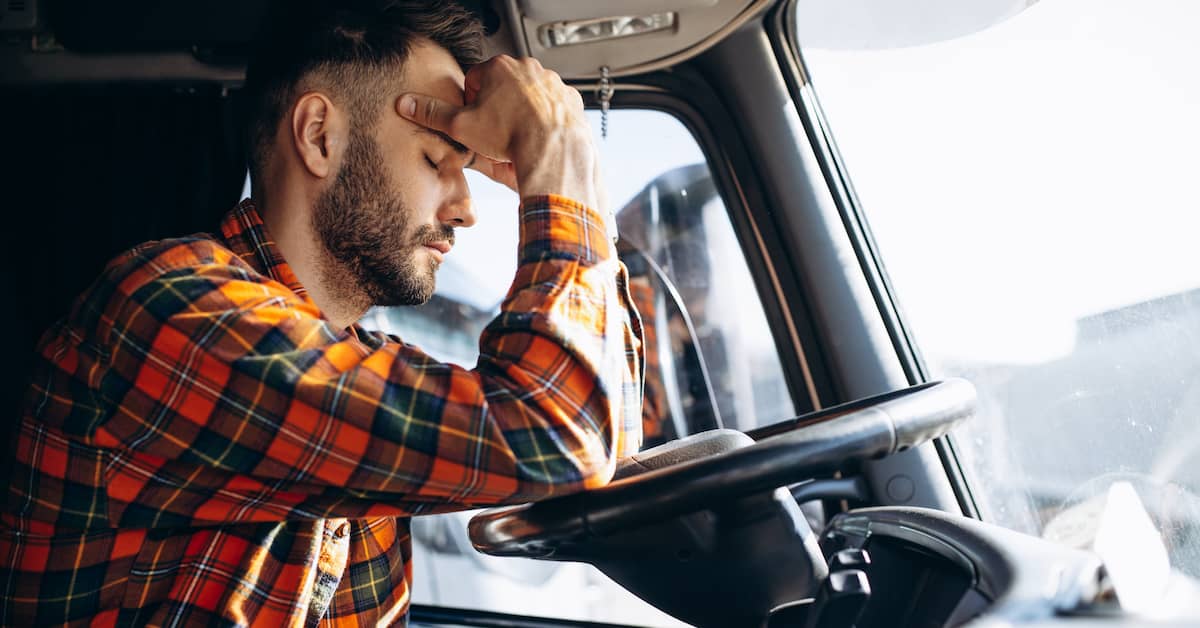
{"x": 371, "y": 257}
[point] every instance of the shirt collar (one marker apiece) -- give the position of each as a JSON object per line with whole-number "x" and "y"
{"x": 243, "y": 231}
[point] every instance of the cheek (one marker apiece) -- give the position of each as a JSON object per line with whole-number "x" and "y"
{"x": 419, "y": 189}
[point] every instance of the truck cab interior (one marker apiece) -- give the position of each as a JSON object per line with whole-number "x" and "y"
{"x": 866, "y": 402}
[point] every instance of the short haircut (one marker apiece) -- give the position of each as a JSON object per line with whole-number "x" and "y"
{"x": 349, "y": 49}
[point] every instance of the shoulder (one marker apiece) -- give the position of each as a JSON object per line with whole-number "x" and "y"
{"x": 176, "y": 270}
{"x": 174, "y": 257}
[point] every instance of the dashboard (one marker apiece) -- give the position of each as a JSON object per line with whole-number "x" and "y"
{"x": 927, "y": 568}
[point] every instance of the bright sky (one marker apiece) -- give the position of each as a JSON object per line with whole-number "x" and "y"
{"x": 1029, "y": 174}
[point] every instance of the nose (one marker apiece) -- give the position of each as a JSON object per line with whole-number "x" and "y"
{"x": 457, "y": 209}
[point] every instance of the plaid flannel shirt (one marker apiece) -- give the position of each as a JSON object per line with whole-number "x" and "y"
{"x": 199, "y": 446}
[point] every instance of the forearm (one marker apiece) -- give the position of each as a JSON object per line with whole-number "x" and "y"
{"x": 571, "y": 290}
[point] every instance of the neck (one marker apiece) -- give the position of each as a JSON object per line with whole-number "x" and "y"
{"x": 288, "y": 218}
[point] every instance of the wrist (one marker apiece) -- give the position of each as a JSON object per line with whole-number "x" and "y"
{"x": 562, "y": 164}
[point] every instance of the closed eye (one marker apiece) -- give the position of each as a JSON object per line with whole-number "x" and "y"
{"x": 430, "y": 162}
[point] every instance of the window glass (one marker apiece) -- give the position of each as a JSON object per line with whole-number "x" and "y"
{"x": 711, "y": 357}
{"x": 1031, "y": 187}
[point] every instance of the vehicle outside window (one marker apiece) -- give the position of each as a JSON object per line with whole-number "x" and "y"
{"x": 711, "y": 357}
{"x": 1031, "y": 188}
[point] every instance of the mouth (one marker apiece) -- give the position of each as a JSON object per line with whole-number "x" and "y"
{"x": 439, "y": 248}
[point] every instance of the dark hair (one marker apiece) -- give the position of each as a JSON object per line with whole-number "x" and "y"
{"x": 346, "y": 48}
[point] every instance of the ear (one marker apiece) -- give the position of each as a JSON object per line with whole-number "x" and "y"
{"x": 318, "y": 131}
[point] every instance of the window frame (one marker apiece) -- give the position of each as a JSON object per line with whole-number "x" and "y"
{"x": 781, "y": 31}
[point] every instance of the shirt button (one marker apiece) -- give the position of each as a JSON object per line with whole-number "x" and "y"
{"x": 342, "y": 530}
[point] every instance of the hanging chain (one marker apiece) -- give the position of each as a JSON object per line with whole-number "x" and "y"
{"x": 605, "y": 93}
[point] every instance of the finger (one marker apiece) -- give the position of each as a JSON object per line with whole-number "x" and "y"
{"x": 601, "y": 191}
{"x": 473, "y": 82}
{"x": 498, "y": 171}
{"x": 480, "y": 76}
{"x": 501, "y": 172}
{"x": 428, "y": 111}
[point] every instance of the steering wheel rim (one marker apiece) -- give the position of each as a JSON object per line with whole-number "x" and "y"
{"x": 809, "y": 445}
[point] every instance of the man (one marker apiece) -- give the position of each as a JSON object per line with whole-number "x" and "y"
{"x": 209, "y": 439}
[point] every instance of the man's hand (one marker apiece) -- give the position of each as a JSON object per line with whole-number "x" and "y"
{"x": 524, "y": 122}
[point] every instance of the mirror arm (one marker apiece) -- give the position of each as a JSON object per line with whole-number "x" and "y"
{"x": 677, "y": 299}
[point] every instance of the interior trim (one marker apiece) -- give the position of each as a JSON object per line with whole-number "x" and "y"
{"x": 424, "y": 615}
{"x": 782, "y": 34}
{"x": 755, "y": 9}
{"x": 19, "y": 65}
{"x": 789, "y": 322}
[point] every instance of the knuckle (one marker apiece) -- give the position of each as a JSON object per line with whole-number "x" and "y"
{"x": 530, "y": 66}
{"x": 491, "y": 65}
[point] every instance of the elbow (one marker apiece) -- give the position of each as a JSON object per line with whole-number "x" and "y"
{"x": 586, "y": 464}
{"x": 621, "y": 437}
{"x": 597, "y": 453}
{"x": 569, "y": 445}
{"x": 593, "y": 468}
{"x": 598, "y": 473}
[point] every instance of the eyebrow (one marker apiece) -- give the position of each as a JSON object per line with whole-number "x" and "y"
{"x": 454, "y": 144}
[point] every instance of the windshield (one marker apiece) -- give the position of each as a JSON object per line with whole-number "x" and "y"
{"x": 1031, "y": 188}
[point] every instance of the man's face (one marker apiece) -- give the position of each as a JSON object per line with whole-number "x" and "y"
{"x": 388, "y": 218}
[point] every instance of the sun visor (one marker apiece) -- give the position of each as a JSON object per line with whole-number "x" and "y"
{"x": 577, "y": 37}
{"x": 560, "y": 10}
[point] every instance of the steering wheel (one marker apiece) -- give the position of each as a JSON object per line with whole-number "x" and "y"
{"x": 703, "y": 527}
{"x": 785, "y": 453}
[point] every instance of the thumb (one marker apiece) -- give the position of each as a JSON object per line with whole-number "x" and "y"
{"x": 428, "y": 111}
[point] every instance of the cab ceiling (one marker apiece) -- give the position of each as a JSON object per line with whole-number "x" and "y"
{"x": 60, "y": 41}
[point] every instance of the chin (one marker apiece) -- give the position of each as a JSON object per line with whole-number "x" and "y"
{"x": 408, "y": 293}
{"x": 413, "y": 285}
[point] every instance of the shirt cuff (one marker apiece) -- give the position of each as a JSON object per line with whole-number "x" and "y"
{"x": 554, "y": 226}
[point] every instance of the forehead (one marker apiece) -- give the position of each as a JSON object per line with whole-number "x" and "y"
{"x": 431, "y": 69}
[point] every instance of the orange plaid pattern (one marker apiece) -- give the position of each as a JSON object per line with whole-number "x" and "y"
{"x": 199, "y": 446}
{"x": 656, "y": 426}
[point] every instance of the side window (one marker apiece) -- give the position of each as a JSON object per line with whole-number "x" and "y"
{"x": 711, "y": 356}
